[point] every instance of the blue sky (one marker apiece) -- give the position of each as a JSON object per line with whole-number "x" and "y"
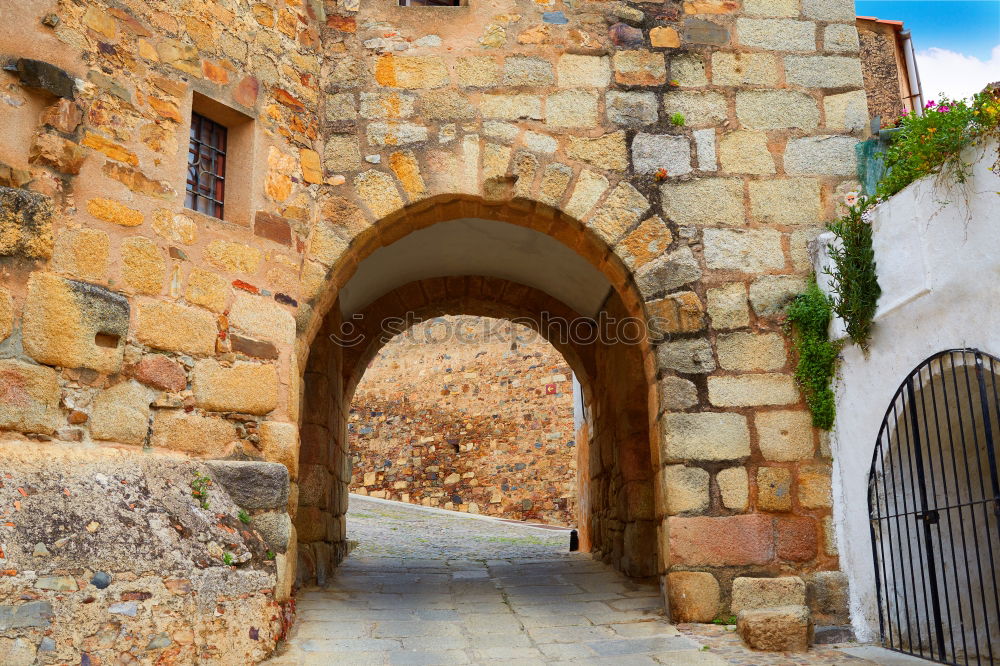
{"x": 957, "y": 41}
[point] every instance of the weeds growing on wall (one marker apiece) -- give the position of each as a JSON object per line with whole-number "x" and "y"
{"x": 809, "y": 318}
{"x": 854, "y": 280}
{"x": 926, "y": 144}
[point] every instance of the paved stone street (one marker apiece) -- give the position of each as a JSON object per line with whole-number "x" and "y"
{"x": 433, "y": 587}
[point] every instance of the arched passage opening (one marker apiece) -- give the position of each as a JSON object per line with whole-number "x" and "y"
{"x": 532, "y": 265}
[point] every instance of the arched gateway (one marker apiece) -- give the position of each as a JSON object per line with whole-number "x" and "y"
{"x": 193, "y": 199}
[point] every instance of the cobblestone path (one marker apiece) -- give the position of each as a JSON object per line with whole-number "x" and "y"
{"x": 432, "y": 587}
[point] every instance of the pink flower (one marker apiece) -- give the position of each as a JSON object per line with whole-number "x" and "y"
{"x": 944, "y": 109}
{"x": 930, "y": 105}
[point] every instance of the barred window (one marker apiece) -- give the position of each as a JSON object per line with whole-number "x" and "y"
{"x": 206, "y": 177}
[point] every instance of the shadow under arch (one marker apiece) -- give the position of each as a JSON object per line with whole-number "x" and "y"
{"x": 619, "y": 496}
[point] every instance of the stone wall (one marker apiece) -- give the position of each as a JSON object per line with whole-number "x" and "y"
{"x": 469, "y": 414}
{"x": 884, "y": 69}
{"x": 128, "y": 320}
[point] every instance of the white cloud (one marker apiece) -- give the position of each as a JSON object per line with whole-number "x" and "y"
{"x": 955, "y": 74}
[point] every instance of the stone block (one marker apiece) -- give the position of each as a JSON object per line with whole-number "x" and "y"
{"x": 769, "y": 294}
{"x": 412, "y": 72}
{"x": 752, "y": 390}
{"x": 822, "y": 155}
{"x": 824, "y": 71}
{"x": 815, "y": 487}
{"x": 706, "y": 201}
{"x": 829, "y": 10}
{"x": 445, "y": 104}
{"x": 588, "y": 189}
{"x": 734, "y": 488}
{"x": 608, "y": 151}
{"x": 750, "y": 251}
{"x": 82, "y": 254}
{"x": 555, "y": 180}
{"x": 646, "y": 243}
{"x": 631, "y": 109}
{"x": 262, "y": 318}
{"x": 721, "y": 541}
{"x": 251, "y": 484}
{"x": 829, "y": 537}
{"x": 621, "y": 210}
{"x": 727, "y": 306}
{"x": 511, "y": 107}
{"x": 384, "y": 105}
{"x": 756, "y": 593}
{"x": 192, "y": 433}
{"x": 776, "y": 34}
{"x": 785, "y": 435}
{"x": 42, "y": 76}
{"x": 738, "y": 69}
{"x": 245, "y": 387}
{"x": 571, "y": 108}
{"x": 776, "y": 109}
{"x": 751, "y": 351}
{"x": 796, "y": 538}
{"x": 708, "y": 436}
{"x": 700, "y": 109}
{"x": 774, "y": 488}
{"x": 841, "y": 38}
{"x": 279, "y": 442}
{"x": 477, "y": 72}
{"x": 780, "y": 8}
{"x": 25, "y": 223}
{"x": 686, "y": 356}
{"x": 786, "y": 201}
{"x": 142, "y": 265}
{"x": 693, "y": 596}
{"x": 527, "y": 71}
{"x": 29, "y": 397}
{"x": 651, "y": 152}
{"x": 160, "y": 372}
{"x": 177, "y": 328}
{"x": 700, "y": 31}
{"x": 583, "y": 71}
{"x": 846, "y": 111}
{"x": 74, "y": 324}
{"x": 275, "y": 528}
{"x": 745, "y": 151}
{"x": 681, "y": 312}
{"x": 688, "y": 70}
{"x": 639, "y": 68}
{"x": 6, "y": 314}
{"x": 26, "y": 615}
{"x": 121, "y": 414}
{"x": 207, "y": 289}
{"x": 685, "y": 489}
{"x": 677, "y": 394}
{"x": 17, "y": 652}
{"x": 827, "y": 596}
{"x": 780, "y": 629}
{"x": 233, "y": 257}
{"x": 704, "y": 142}
{"x": 342, "y": 153}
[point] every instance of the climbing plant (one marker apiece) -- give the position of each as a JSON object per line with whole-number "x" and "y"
{"x": 809, "y": 318}
{"x": 924, "y": 144}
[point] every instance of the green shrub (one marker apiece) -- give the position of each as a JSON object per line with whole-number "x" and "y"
{"x": 854, "y": 280}
{"x": 809, "y": 318}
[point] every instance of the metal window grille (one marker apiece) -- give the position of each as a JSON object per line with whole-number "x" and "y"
{"x": 206, "y": 177}
{"x": 934, "y": 507}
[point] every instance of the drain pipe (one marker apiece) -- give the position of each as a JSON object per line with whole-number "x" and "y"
{"x": 916, "y": 92}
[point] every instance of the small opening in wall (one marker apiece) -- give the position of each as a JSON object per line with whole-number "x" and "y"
{"x": 107, "y": 340}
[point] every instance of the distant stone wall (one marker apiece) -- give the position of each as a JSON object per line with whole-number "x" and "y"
{"x": 881, "y": 69}
{"x": 481, "y": 426}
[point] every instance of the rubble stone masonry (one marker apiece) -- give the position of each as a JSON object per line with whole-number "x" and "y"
{"x": 132, "y": 326}
{"x": 469, "y": 414}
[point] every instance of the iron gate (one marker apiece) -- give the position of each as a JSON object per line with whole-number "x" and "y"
{"x": 934, "y": 505}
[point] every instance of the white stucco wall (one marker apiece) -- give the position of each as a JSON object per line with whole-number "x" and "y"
{"x": 937, "y": 249}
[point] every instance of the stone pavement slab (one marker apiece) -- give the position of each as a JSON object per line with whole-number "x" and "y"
{"x": 443, "y": 588}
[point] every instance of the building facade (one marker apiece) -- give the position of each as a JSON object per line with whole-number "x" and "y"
{"x": 208, "y": 210}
